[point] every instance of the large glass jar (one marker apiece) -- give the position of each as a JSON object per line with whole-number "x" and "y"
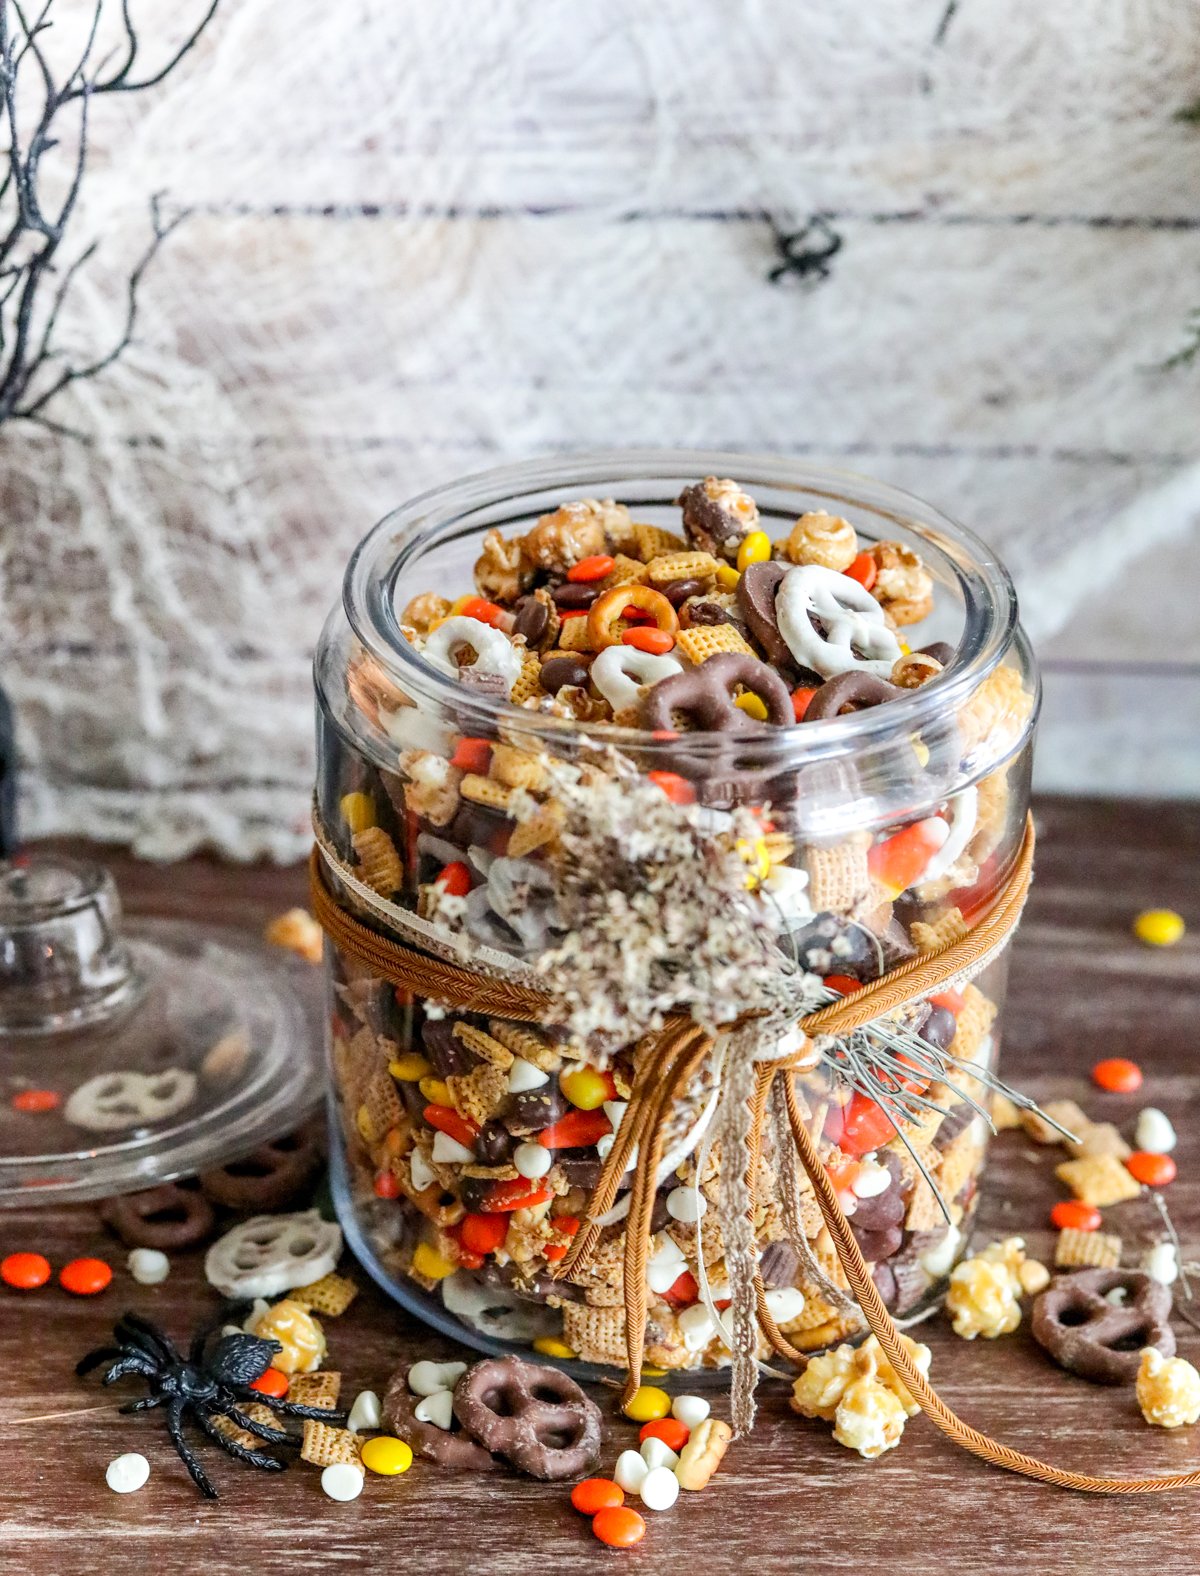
{"x": 884, "y": 832}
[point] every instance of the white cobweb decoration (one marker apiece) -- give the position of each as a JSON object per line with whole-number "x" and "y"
{"x": 431, "y": 237}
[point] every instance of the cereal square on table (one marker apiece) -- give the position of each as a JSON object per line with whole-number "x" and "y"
{"x": 1098, "y": 1138}
{"x": 1087, "y": 1249}
{"x": 1098, "y": 1179}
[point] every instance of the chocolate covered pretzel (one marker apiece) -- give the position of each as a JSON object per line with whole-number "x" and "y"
{"x": 1098, "y": 1339}
{"x": 536, "y": 1417}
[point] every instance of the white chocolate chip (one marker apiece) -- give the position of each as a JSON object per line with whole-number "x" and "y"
{"x": 436, "y": 1409}
{"x": 342, "y": 1481}
{"x": 870, "y": 1180}
{"x": 1161, "y": 1264}
{"x": 690, "y": 1410}
{"x": 148, "y": 1267}
{"x": 630, "y": 1471}
{"x": 785, "y": 1303}
{"x": 686, "y": 1205}
{"x": 366, "y": 1412}
{"x": 428, "y": 1378}
{"x": 660, "y": 1489}
{"x": 656, "y": 1453}
{"x": 126, "y": 1474}
{"x": 448, "y": 1151}
{"x": 532, "y": 1160}
{"x": 940, "y": 1257}
{"x": 423, "y": 1174}
{"x": 665, "y": 1265}
{"x": 697, "y": 1327}
{"x": 1154, "y": 1132}
{"x": 523, "y": 1076}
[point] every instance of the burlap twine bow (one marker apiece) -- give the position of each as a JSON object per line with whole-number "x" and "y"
{"x": 755, "y": 1087}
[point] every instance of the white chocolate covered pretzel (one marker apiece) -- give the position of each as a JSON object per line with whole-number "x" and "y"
{"x": 849, "y": 617}
{"x": 619, "y": 673}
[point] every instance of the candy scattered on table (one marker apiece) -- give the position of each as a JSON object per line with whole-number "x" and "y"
{"x": 85, "y": 1277}
{"x": 619, "y": 1527}
{"x": 342, "y": 1481}
{"x": 297, "y": 931}
{"x": 148, "y": 1266}
{"x": 386, "y": 1456}
{"x": 647, "y": 1403}
{"x": 1074, "y": 1215}
{"x": 1161, "y": 1263}
{"x": 33, "y": 1101}
{"x": 690, "y": 1409}
{"x": 25, "y": 1271}
{"x": 1117, "y": 1075}
{"x": 1159, "y": 927}
{"x": 660, "y": 1487}
{"x": 596, "y": 1494}
{"x": 1151, "y": 1167}
{"x": 128, "y": 1473}
{"x": 1154, "y": 1133}
{"x": 1168, "y": 1390}
{"x": 365, "y": 1413}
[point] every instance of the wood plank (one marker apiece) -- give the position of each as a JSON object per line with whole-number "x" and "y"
{"x": 789, "y": 1498}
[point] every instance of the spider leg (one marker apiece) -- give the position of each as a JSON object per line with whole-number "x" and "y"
{"x": 322, "y": 1414}
{"x": 131, "y": 1363}
{"x": 276, "y": 1436}
{"x": 150, "y": 1338}
{"x": 254, "y": 1458}
{"x": 102, "y": 1354}
{"x": 144, "y": 1404}
{"x": 175, "y": 1429}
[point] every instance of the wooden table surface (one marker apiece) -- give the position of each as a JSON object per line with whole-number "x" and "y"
{"x": 788, "y": 1498}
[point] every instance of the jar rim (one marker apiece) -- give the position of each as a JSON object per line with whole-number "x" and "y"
{"x": 989, "y": 601}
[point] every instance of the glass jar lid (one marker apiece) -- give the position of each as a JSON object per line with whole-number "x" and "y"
{"x": 134, "y": 1053}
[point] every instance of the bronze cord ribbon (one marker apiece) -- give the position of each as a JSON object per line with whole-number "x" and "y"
{"x": 671, "y": 1058}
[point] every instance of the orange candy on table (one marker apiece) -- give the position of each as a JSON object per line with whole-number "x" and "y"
{"x": 619, "y": 1527}
{"x": 30, "y": 1100}
{"x": 1151, "y": 1169}
{"x": 670, "y": 1430}
{"x": 271, "y": 1383}
{"x": 85, "y": 1277}
{"x": 1072, "y": 1214}
{"x": 1117, "y": 1075}
{"x": 25, "y": 1271}
{"x": 596, "y": 1494}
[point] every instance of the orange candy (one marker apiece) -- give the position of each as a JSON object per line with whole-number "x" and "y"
{"x": 670, "y": 1430}
{"x": 800, "y": 700}
{"x": 657, "y": 641}
{"x": 863, "y": 569}
{"x": 25, "y": 1271}
{"x": 486, "y": 612}
{"x": 842, "y": 983}
{"x": 596, "y": 1494}
{"x": 455, "y": 879}
{"x": 952, "y": 1000}
{"x": 472, "y": 755}
{"x": 676, "y": 788}
{"x": 619, "y": 1527}
{"x": 35, "y": 1100}
{"x": 385, "y": 1185}
{"x": 85, "y": 1277}
{"x": 271, "y": 1383}
{"x": 589, "y": 569}
{"x": 900, "y": 861}
{"x": 1117, "y": 1075}
{"x": 1154, "y": 1170}
{"x": 1074, "y": 1215}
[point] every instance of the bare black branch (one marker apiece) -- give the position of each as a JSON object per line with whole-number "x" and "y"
{"x": 45, "y": 118}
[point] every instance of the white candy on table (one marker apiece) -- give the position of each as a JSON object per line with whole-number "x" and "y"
{"x": 660, "y": 1488}
{"x": 656, "y": 1452}
{"x": 126, "y": 1474}
{"x": 148, "y": 1266}
{"x": 342, "y": 1481}
{"x": 630, "y": 1471}
{"x": 365, "y": 1413}
{"x": 1154, "y": 1132}
{"x": 690, "y": 1410}
{"x": 428, "y": 1378}
{"x": 686, "y": 1205}
{"x": 1161, "y": 1263}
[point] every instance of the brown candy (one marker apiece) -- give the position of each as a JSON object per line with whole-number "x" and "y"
{"x": 457, "y": 1451}
{"x": 560, "y": 672}
{"x": 678, "y": 591}
{"x": 756, "y": 592}
{"x": 274, "y": 1176}
{"x": 172, "y": 1215}
{"x": 1090, "y": 1336}
{"x": 707, "y": 525}
{"x": 860, "y": 690}
{"x": 536, "y": 1417}
{"x": 706, "y": 695}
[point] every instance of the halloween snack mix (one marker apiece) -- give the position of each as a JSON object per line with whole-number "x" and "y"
{"x": 624, "y": 762}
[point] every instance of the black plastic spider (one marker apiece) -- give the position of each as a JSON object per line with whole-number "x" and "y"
{"x": 209, "y": 1383}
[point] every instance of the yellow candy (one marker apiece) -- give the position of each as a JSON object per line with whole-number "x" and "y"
{"x": 758, "y": 856}
{"x": 410, "y": 1068}
{"x": 461, "y": 602}
{"x": 920, "y": 749}
{"x": 752, "y": 706}
{"x": 429, "y": 1262}
{"x": 905, "y": 648}
{"x": 654, "y": 1373}
{"x": 387, "y": 1456}
{"x": 358, "y": 811}
{"x": 647, "y": 1404}
{"x": 727, "y": 576}
{"x": 435, "y": 1091}
{"x": 755, "y": 549}
{"x": 585, "y": 1088}
{"x": 551, "y": 1346}
{"x": 1159, "y": 927}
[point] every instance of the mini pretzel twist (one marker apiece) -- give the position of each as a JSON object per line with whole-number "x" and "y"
{"x": 707, "y": 694}
{"x": 606, "y": 610}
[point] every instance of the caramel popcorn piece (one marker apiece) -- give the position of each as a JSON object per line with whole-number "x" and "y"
{"x": 298, "y": 932}
{"x": 982, "y": 1299}
{"x": 822, "y": 538}
{"x": 298, "y": 1333}
{"x": 859, "y": 1392}
{"x": 573, "y": 531}
{"x": 903, "y": 586}
{"x": 1168, "y": 1390}
{"x": 498, "y": 570}
{"x": 426, "y": 610}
